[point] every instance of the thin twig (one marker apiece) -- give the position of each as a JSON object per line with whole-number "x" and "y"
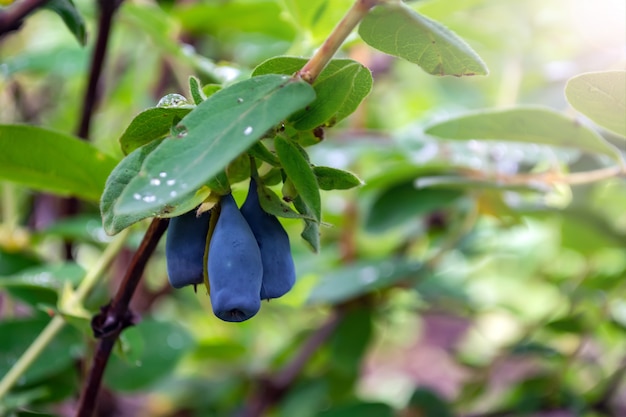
{"x": 12, "y": 18}
{"x": 107, "y": 10}
{"x": 116, "y": 316}
{"x": 331, "y": 45}
{"x": 272, "y": 389}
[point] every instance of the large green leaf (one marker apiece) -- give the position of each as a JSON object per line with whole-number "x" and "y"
{"x": 534, "y": 125}
{"x": 150, "y": 124}
{"x": 340, "y": 88}
{"x": 51, "y": 161}
{"x": 396, "y": 29}
{"x": 211, "y": 136}
{"x": 601, "y": 96}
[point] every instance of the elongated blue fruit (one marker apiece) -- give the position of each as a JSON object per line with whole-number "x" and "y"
{"x": 234, "y": 265}
{"x": 184, "y": 248}
{"x": 279, "y": 273}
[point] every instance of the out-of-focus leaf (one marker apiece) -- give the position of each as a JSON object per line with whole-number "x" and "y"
{"x": 426, "y": 403}
{"x": 534, "y": 125}
{"x": 164, "y": 344}
{"x": 211, "y": 136}
{"x": 350, "y": 341}
{"x": 151, "y": 124}
{"x": 361, "y": 409}
{"x": 601, "y": 96}
{"x": 59, "y": 354}
{"x": 82, "y": 228}
{"x": 403, "y": 202}
{"x": 361, "y": 278}
{"x": 63, "y": 60}
{"x": 51, "y": 161}
{"x": 71, "y": 17}
{"x": 335, "y": 179}
{"x": 396, "y": 29}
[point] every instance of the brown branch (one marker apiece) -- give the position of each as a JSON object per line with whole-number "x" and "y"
{"x": 115, "y": 317}
{"x": 272, "y": 389}
{"x": 12, "y": 18}
{"x": 107, "y": 10}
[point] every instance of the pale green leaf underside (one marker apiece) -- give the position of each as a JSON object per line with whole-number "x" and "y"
{"x": 51, "y": 161}
{"x": 397, "y": 30}
{"x": 532, "y": 125}
{"x": 601, "y": 96}
{"x": 217, "y": 131}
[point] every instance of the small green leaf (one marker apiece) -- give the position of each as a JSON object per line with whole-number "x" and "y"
{"x": 533, "y": 125}
{"x": 601, "y": 96}
{"x": 350, "y": 340}
{"x": 196, "y": 91}
{"x": 339, "y": 89}
{"x": 299, "y": 171}
{"x": 71, "y": 17}
{"x": 427, "y": 403}
{"x": 51, "y": 161}
{"x": 311, "y": 232}
{"x": 361, "y": 278}
{"x": 396, "y": 29}
{"x": 335, "y": 179}
{"x": 154, "y": 123}
{"x": 260, "y": 151}
{"x": 272, "y": 204}
{"x": 212, "y": 135}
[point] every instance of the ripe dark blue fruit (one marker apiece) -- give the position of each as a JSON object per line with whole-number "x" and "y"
{"x": 279, "y": 273}
{"x": 234, "y": 266}
{"x": 184, "y": 248}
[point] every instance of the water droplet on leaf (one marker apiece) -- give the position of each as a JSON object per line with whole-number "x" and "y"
{"x": 172, "y": 100}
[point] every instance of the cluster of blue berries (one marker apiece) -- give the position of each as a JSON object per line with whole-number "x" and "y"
{"x": 248, "y": 260}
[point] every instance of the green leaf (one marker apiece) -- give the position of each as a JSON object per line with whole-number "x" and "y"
{"x": 339, "y": 89}
{"x": 71, "y": 17}
{"x": 149, "y": 125}
{"x": 260, "y": 151}
{"x": 361, "y": 278}
{"x": 396, "y": 29}
{"x": 217, "y": 131}
{"x": 51, "y": 161}
{"x": 402, "y": 202}
{"x": 300, "y": 173}
{"x": 350, "y": 341}
{"x": 427, "y": 403}
{"x": 273, "y": 204}
{"x": 533, "y": 125}
{"x": 601, "y": 96}
{"x": 361, "y": 409}
{"x": 59, "y": 354}
{"x": 126, "y": 170}
{"x": 311, "y": 232}
{"x": 196, "y": 91}
{"x": 335, "y": 179}
{"x": 163, "y": 343}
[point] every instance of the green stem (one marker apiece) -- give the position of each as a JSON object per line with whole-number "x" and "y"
{"x": 57, "y": 323}
{"x": 340, "y": 33}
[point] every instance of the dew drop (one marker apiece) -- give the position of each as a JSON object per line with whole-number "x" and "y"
{"x": 162, "y": 174}
{"x": 155, "y": 181}
{"x": 172, "y": 100}
{"x": 173, "y": 194}
{"x": 247, "y": 130}
{"x": 239, "y": 100}
{"x": 137, "y": 196}
{"x": 149, "y": 198}
{"x": 170, "y": 182}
